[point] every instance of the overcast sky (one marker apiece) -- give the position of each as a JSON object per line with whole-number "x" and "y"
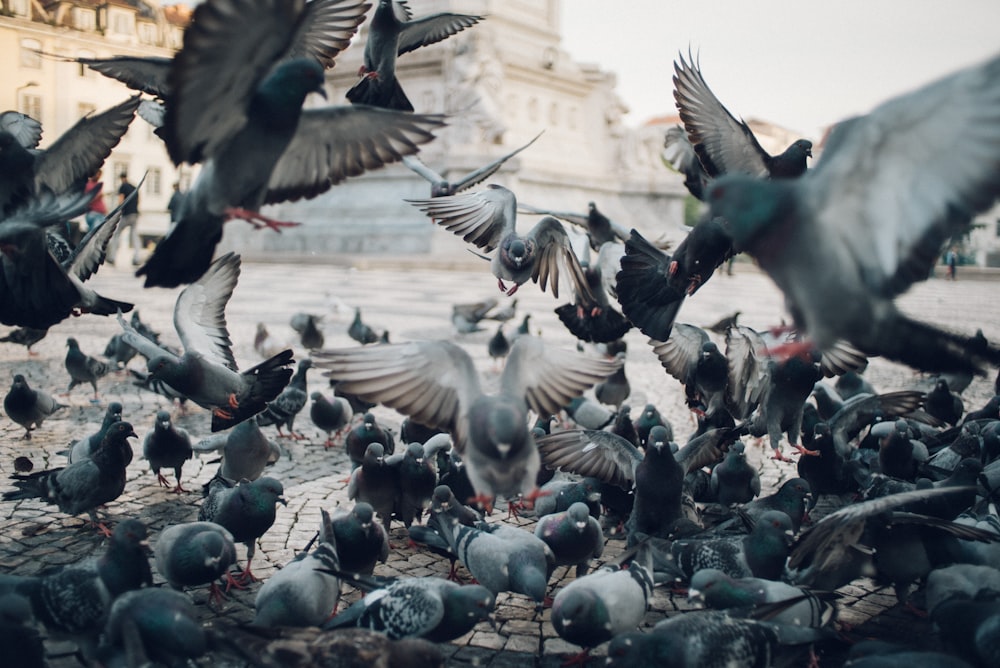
{"x": 803, "y": 64}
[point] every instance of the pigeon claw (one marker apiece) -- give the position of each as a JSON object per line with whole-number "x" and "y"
{"x": 258, "y": 220}
{"x": 161, "y": 481}
{"x": 781, "y": 458}
{"x": 672, "y": 268}
{"x": 579, "y": 659}
{"x": 483, "y": 500}
{"x": 805, "y": 451}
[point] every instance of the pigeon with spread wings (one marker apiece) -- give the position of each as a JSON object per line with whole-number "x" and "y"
{"x": 487, "y": 220}
{"x": 436, "y": 384}
{"x": 206, "y": 373}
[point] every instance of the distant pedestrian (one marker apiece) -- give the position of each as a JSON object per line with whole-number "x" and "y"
{"x": 98, "y": 209}
{"x": 129, "y": 221}
{"x": 951, "y": 259}
{"x": 176, "y": 203}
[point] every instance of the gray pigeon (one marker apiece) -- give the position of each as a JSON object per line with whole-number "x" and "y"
{"x": 442, "y": 187}
{"x": 331, "y": 416}
{"x": 83, "y": 486}
{"x": 430, "y": 608}
{"x": 487, "y": 219}
{"x": 734, "y": 480}
{"x": 377, "y": 483}
{"x": 83, "y": 368}
{"x": 167, "y": 446}
{"x": 257, "y": 144}
{"x": 195, "y": 553}
{"x": 392, "y": 32}
{"x": 717, "y": 590}
{"x": 27, "y": 407}
{"x": 840, "y": 280}
{"x": 361, "y": 331}
{"x": 247, "y": 511}
{"x": 287, "y": 405}
{"x": 303, "y": 592}
{"x": 83, "y": 448}
{"x": 25, "y": 336}
{"x": 246, "y": 451}
{"x": 152, "y": 626}
{"x": 206, "y": 372}
{"x": 360, "y": 540}
{"x": 417, "y": 477}
{"x": 969, "y": 582}
{"x": 74, "y": 601}
{"x": 442, "y": 390}
{"x": 573, "y": 536}
{"x": 307, "y": 325}
{"x": 593, "y": 609}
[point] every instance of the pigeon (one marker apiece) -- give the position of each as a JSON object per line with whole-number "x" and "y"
{"x": 153, "y": 626}
{"x": 74, "y": 601}
{"x": 417, "y": 481}
{"x": 265, "y": 344}
{"x": 498, "y": 346}
{"x": 435, "y": 383}
{"x": 85, "y": 447}
{"x": 27, "y": 407}
{"x": 944, "y": 404}
{"x": 21, "y": 640}
{"x": 167, "y": 446}
{"x": 361, "y": 332}
{"x": 718, "y": 591}
{"x": 596, "y": 320}
{"x": 376, "y": 482}
{"x": 600, "y": 229}
{"x": 968, "y": 629}
{"x": 246, "y": 452}
{"x": 679, "y": 155}
{"x": 366, "y": 433}
{"x": 330, "y": 415}
{"x": 307, "y": 326}
{"x": 392, "y": 32}
{"x": 247, "y": 511}
{"x": 573, "y": 536}
{"x": 83, "y": 368}
{"x": 791, "y": 498}
{"x": 257, "y": 145}
{"x": 466, "y": 317}
{"x": 442, "y": 187}
{"x": 796, "y": 228}
{"x": 361, "y": 542}
{"x": 558, "y": 495}
{"x": 206, "y": 372}
{"x": 724, "y": 323}
{"x": 595, "y": 608}
{"x": 83, "y": 486}
{"x": 195, "y": 553}
{"x": 487, "y": 220}
{"x": 287, "y": 405}
{"x": 962, "y": 581}
{"x": 615, "y": 389}
{"x": 25, "y": 336}
{"x": 692, "y": 358}
{"x": 649, "y": 418}
{"x": 734, "y": 480}
{"x": 589, "y": 414}
{"x": 430, "y": 608}
{"x": 302, "y": 592}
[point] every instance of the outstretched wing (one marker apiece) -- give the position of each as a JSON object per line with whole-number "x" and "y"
{"x": 200, "y": 312}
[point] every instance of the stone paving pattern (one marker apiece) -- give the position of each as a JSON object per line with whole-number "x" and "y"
{"x": 412, "y": 298}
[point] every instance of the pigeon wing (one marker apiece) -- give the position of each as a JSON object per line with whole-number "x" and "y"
{"x": 644, "y": 288}
{"x": 412, "y": 610}
{"x": 480, "y": 218}
{"x": 145, "y": 74}
{"x": 90, "y": 253}
{"x": 592, "y": 454}
{"x": 478, "y": 176}
{"x": 555, "y": 256}
{"x": 326, "y": 28}
{"x": 146, "y": 347}
{"x": 26, "y": 130}
{"x": 431, "y": 29}
{"x": 748, "y": 370}
{"x": 333, "y": 143}
{"x": 200, "y": 312}
{"x": 680, "y": 352}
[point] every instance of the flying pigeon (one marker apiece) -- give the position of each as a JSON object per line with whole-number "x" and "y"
{"x": 330, "y": 415}
{"x": 392, "y": 32}
{"x": 600, "y": 229}
{"x": 206, "y": 372}
{"x": 265, "y": 344}
{"x": 435, "y": 383}
{"x": 83, "y": 486}
{"x": 257, "y": 144}
{"x": 466, "y": 317}
{"x": 167, "y": 446}
{"x": 287, "y": 405}
{"x": 596, "y": 320}
{"x": 83, "y": 368}
{"x": 195, "y": 553}
{"x": 442, "y": 187}
{"x": 487, "y": 220}
{"x": 360, "y": 540}
{"x": 27, "y": 407}
{"x": 840, "y": 279}
{"x": 247, "y": 511}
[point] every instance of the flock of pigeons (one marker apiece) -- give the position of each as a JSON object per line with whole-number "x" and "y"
{"x": 841, "y": 241}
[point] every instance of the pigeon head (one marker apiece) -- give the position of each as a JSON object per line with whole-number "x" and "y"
{"x": 19, "y": 381}
{"x": 579, "y": 515}
{"x": 163, "y": 419}
{"x": 658, "y": 437}
{"x": 374, "y": 454}
{"x": 703, "y": 584}
{"x": 415, "y": 451}
{"x": 803, "y": 147}
{"x": 364, "y": 514}
{"x": 442, "y": 498}
{"x": 506, "y": 430}
{"x": 121, "y": 430}
{"x": 270, "y": 488}
{"x": 748, "y": 205}
{"x": 72, "y": 344}
{"x": 474, "y": 602}
{"x": 577, "y": 614}
{"x": 517, "y": 251}
{"x": 369, "y": 420}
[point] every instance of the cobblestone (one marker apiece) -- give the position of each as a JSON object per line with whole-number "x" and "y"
{"x": 413, "y": 303}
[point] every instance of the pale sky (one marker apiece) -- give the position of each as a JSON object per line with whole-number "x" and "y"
{"x": 802, "y": 64}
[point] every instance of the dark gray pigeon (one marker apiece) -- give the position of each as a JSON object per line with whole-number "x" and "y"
{"x": 247, "y": 511}
{"x": 18, "y": 633}
{"x": 307, "y": 326}
{"x": 361, "y": 541}
{"x": 25, "y": 336}
{"x": 28, "y": 407}
{"x": 152, "y": 626}
{"x": 600, "y": 229}
{"x": 573, "y": 536}
{"x": 167, "y": 446}
{"x": 74, "y": 601}
{"x": 430, "y": 608}
{"x": 487, "y": 219}
{"x": 257, "y": 144}
{"x": 83, "y": 368}
{"x": 498, "y": 346}
{"x": 944, "y": 404}
{"x": 303, "y": 592}
{"x": 246, "y": 452}
{"x": 418, "y": 478}
{"x": 596, "y": 320}
{"x": 361, "y": 331}
{"x": 193, "y": 554}
{"x": 442, "y": 187}
{"x": 377, "y": 483}
{"x": 206, "y": 372}
{"x": 83, "y": 486}
{"x": 330, "y": 415}
{"x": 734, "y": 480}
{"x": 615, "y": 389}
{"x": 287, "y": 405}
{"x": 840, "y": 281}
{"x": 392, "y": 32}
{"x": 360, "y": 437}
{"x": 442, "y": 390}
{"x": 717, "y": 590}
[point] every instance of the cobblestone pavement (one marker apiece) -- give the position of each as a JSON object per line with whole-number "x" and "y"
{"x": 412, "y": 302}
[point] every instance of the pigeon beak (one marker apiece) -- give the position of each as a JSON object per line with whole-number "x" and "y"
{"x": 131, "y": 433}
{"x": 594, "y": 497}
{"x": 581, "y": 525}
{"x": 503, "y": 449}
{"x": 366, "y": 525}
{"x": 696, "y": 597}
{"x": 282, "y": 501}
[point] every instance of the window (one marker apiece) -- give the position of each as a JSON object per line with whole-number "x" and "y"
{"x": 147, "y": 33}
{"x": 31, "y": 105}
{"x": 18, "y": 7}
{"x": 121, "y": 23}
{"x": 153, "y": 180}
{"x": 84, "y": 109}
{"x": 84, "y": 19}
{"x": 30, "y": 56}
